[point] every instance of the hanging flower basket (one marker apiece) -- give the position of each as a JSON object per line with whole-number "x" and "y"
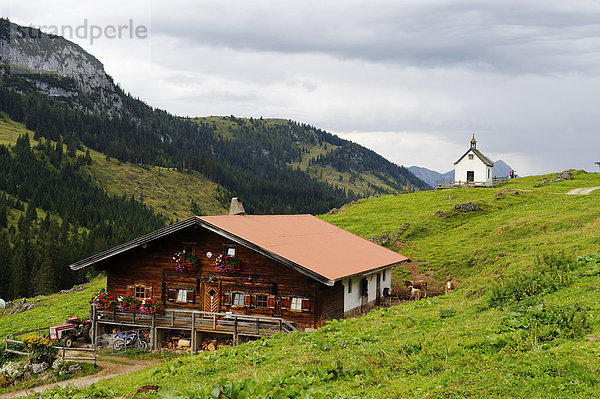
{"x": 185, "y": 262}
{"x": 227, "y": 264}
{"x": 129, "y": 304}
{"x": 151, "y": 306}
{"x": 103, "y": 301}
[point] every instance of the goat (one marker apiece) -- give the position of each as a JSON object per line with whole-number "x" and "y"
{"x": 388, "y": 295}
{"x": 449, "y": 287}
{"x": 415, "y": 293}
{"x": 419, "y": 284}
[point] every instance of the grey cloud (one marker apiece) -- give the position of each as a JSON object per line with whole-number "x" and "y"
{"x": 510, "y": 36}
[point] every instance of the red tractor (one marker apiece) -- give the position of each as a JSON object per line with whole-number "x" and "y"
{"x": 69, "y": 332}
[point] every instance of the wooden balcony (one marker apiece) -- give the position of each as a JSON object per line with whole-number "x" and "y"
{"x": 195, "y": 322}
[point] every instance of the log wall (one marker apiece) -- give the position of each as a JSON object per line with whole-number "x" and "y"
{"x": 268, "y": 287}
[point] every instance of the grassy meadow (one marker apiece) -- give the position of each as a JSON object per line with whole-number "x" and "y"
{"x": 523, "y": 323}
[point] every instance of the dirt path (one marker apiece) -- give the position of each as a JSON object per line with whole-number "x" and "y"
{"x": 109, "y": 369}
{"x": 584, "y": 190}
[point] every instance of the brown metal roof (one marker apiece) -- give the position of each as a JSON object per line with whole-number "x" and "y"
{"x": 304, "y": 242}
{"x": 310, "y": 243}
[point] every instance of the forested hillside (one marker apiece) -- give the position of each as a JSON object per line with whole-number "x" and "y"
{"x": 52, "y": 213}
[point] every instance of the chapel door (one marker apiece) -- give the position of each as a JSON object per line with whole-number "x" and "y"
{"x": 470, "y": 176}
{"x": 211, "y": 299}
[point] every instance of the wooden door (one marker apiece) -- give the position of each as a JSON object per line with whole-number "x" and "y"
{"x": 211, "y": 299}
{"x": 470, "y": 176}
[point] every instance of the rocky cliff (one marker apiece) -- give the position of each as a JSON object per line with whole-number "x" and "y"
{"x": 56, "y": 67}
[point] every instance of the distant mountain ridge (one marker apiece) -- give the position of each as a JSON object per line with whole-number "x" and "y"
{"x": 501, "y": 169}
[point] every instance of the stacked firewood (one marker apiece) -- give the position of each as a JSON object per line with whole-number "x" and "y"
{"x": 212, "y": 344}
{"x": 176, "y": 342}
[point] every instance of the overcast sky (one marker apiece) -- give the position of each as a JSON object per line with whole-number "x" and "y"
{"x": 411, "y": 80}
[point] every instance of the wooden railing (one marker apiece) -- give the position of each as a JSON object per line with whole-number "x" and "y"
{"x": 193, "y": 320}
{"x": 62, "y": 350}
{"x": 496, "y": 181}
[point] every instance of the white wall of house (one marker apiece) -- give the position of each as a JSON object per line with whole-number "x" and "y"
{"x": 471, "y": 162}
{"x": 353, "y": 299}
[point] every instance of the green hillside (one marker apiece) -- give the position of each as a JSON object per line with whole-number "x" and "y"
{"x": 166, "y": 191}
{"x": 522, "y": 324}
{"x": 322, "y": 156}
{"x": 514, "y": 224}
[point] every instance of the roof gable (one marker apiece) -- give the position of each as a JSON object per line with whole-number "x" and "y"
{"x": 482, "y": 157}
{"x": 303, "y": 242}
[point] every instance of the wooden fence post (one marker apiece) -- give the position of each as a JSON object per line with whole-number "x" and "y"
{"x": 193, "y": 332}
{"x": 153, "y": 333}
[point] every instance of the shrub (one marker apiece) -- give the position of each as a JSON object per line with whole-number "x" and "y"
{"x": 13, "y": 370}
{"x": 60, "y": 366}
{"x": 545, "y": 323}
{"x": 39, "y": 348}
{"x": 552, "y": 272}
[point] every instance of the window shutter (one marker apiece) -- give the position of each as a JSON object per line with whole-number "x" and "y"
{"x": 227, "y": 299}
{"x": 148, "y": 293}
{"x": 271, "y": 302}
{"x": 248, "y": 300}
{"x": 190, "y": 296}
{"x": 306, "y": 305}
{"x": 130, "y": 290}
{"x": 284, "y": 303}
{"x": 171, "y": 294}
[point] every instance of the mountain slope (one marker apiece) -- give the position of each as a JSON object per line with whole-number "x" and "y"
{"x": 516, "y": 326}
{"x": 256, "y": 160}
{"x": 431, "y": 176}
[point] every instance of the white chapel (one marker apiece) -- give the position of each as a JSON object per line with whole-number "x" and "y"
{"x": 473, "y": 167}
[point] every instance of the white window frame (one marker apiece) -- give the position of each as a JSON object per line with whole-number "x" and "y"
{"x": 237, "y": 297}
{"x": 296, "y": 304}
{"x": 182, "y": 295}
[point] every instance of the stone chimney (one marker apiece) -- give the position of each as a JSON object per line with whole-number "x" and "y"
{"x": 236, "y": 207}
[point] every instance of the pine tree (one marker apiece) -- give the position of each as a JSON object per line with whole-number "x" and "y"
{"x": 3, "y": 216}
{"x": 23, "y": 261}
{"x": 45, "y": 276}
{"x": 5, "y": 264}
{"x": 31, "y": 213}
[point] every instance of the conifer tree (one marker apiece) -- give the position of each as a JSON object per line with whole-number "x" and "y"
{"x": 3, "y": 216}
{"x": 23, "y": 260}
{"x": 5, "y": 264}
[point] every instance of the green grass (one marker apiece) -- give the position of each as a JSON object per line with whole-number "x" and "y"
{"x": 580, "y": 179}
{"x": 450, "y": 346}
{"x": 11, "y": 130}
{"x": 165, "y": 191}
{"x": 52, "y": 310}
{"x": 506, "y": 234}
